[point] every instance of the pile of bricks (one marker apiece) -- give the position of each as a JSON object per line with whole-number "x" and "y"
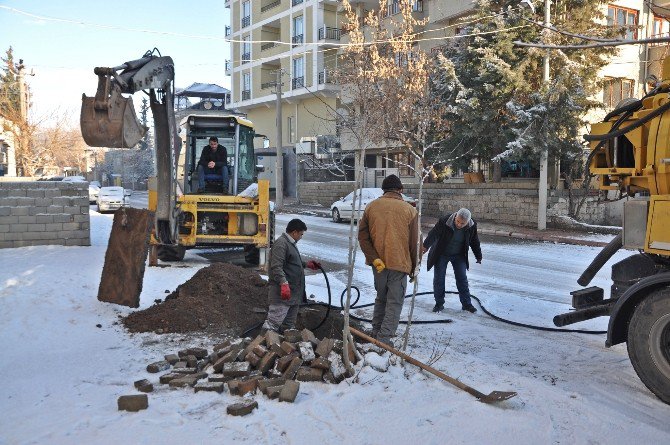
{"x": 271, "y": 364}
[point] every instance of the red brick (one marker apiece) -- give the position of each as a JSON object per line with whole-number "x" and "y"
{"x": 321, "y": 363}
{"x": 209, "y": 386}
{"x": 309, "y": 374}
{"x": 198, "y": 352}
{"x": 158, "y": 366}
{"x": 283, "y": 362}
{"x": 292, "y": 368}
{"x": 260, "y": 350}
{"x": 267, "y": 362}
{"x": 135, "y": 402}
{"x": 144, "y": 385}
{"x": 264, "y": 384}
{"x": 253, "y": 359}
{"x": 255, "y": 342}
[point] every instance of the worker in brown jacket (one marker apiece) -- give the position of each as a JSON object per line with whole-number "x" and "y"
{"x": 388, "y": 235}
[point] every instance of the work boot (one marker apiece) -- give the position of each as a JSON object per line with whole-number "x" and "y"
{"x": 438, "y": 307}
{"x": 469, "y": 308}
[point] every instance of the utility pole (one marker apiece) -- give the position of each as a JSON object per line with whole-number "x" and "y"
{"x": 542, "y": 186}
{"x": 279, "y": 162}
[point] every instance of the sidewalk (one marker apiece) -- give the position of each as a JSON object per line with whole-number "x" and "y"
{"x": 577, "y": 237}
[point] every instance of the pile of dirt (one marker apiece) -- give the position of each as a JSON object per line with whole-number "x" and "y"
{"x": 223, "y": 299}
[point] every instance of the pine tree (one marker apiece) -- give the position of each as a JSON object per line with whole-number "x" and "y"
{"x": 144, "y": 119}
{"x": 9, "y": 87}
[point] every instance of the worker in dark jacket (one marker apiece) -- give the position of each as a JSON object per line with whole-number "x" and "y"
{"x": 213, "y": 161}
{"x": 286, "y": 278}
{"x": 449, "y": 242}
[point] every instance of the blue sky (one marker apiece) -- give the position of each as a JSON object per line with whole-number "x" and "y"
{"x": 62, "y": 54}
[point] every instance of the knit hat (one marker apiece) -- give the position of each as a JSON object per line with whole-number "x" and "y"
{"x": 391, "y": 182}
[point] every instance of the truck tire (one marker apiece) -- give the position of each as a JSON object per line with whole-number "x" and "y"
{"x": 649, "y": 342}
{"x": 170, "y": 253}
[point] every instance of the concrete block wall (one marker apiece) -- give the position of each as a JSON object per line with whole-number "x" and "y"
{"x": 44, "y": 213}
{"x": 323, "y": 193}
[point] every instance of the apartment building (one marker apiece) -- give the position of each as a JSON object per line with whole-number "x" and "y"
{"x": 299, "y": 38}
{"x": 310, "y": 27}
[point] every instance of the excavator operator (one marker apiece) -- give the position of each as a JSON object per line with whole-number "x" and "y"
{"x": 213, "y": 164}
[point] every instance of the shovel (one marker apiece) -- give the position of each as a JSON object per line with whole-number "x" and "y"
{"x": 494, "y": 396}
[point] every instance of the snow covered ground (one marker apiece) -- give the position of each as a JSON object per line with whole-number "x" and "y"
{"x": 62, "y": 373}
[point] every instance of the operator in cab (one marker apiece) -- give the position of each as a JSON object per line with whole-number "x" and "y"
{"x": 213, "y": 161}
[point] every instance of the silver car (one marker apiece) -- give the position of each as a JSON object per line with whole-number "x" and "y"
{"x": 343, "y": 208}
{"x": 112, "y": 198}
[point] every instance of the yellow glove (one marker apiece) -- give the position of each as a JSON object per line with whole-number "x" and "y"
{"x": 379, "y": 265}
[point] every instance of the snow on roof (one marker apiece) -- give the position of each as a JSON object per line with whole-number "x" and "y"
{"x": 208, "y": 90}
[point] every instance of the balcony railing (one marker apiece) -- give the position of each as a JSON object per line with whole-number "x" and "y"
{"x": 328, "y": 33}
{"x": 246, "y": 21}
{"x": 296, "y": 2}
{"x": 297, "y": 82}
{"x": 246, "y": 58}
{"x": 417, "y": 6}
{"x": 325, "y": 76}
{"x": 268, "y": 85}
{"x": 229, "y": 66}
{"x": 229, "y": 31}
{"x": 246, "y": 94}
{"x": 297, "y": 40}
{"x": 268, "y": 45}
{"x": 270, "y": 6}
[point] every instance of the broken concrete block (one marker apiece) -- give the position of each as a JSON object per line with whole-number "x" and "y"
{"x": 220, "y": 346}
{"x": 277, "y": 350}
{"x": 260, "y": 350}
{"x": 242, "y": 408}
{"x": 144, "y": 385}
{"x": 321, "y": 363}
{"x": 253, "y": 359}
{"x": 267, "y": 362}
{"x": 218, "y": 378}
{"x": 133, "y": 402}
{"x": 191, "y": 361}
{"x": 272, "y": 338}
{"x": 264, "y": 384}
{"x": 283, "y": 362}
{"x": 198, "y": 352}
{"x": 289, "y": 391}
{"x": 186, "y": 380}
{"x": 324, "y": 347}
{"x": 309, "y": 336}
{"x": 337, "y": 366}
{"x": 305, "y": 374}
{"x": 184, "y": 370}
{"x": 228, "y": 358}
{"x": 236, "y": 369}
{"x": 158, "y": 366}
{"x": 172, "y": 358}
{"x": 259, "y": 340}
{"x": 247, "y": 386}
{"x": 292, "y": 336}
{"x": 181, "y": 364}
{"x": 209, "y": 386}
{"x": 273, "y": 391}
{"x": 306, "y": 351}
{"x": 288, "y": 348}
{"x": 166, "y": 378}
{"x": 292, "y": 368}
{"x": 232, "y": 386}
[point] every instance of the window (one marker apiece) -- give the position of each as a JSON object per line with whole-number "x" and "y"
{"x": 246, "y": 49}
{"x": 297, "y": 30}
{"x": 246, "y": 14}
{"x": 298, "y": 74}
{"x": 246, "y": 86}
{"x": 291, "y": 129}
{"x": 617, "y": 89}
{"x": 618, "y": 16}
{"x": 401, "y": 162}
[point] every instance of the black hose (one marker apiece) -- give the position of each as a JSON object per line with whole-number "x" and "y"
{"x": 599, "y": 261}
{"x": 638, "y": 123}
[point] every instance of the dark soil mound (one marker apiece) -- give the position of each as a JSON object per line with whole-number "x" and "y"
{"x": 224, "y": 299}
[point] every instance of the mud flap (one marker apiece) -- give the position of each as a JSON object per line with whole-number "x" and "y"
{"x": 125, "y": 259}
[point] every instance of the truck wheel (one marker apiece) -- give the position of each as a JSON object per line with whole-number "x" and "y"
{"x": 170, "y": 253}
{"x": 336, "y": 216}
{"x": 252, "y": 254}
{"x": 649, "y": 342}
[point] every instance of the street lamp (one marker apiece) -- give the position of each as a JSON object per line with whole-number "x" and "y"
{"x": 544, "y": 165}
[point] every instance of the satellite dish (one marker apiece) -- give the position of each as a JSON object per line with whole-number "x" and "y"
{"x": 207, "y": 105}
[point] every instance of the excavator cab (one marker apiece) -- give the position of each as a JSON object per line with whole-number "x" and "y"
{"x": 108, "y": 119}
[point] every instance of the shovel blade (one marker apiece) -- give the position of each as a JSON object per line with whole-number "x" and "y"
{"x": 497, "y": 396}
{"x": 112, "y": 125}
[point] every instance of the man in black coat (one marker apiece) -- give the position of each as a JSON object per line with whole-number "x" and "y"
{"x": 449, "y": 242}
{"x": 213, "y": 161}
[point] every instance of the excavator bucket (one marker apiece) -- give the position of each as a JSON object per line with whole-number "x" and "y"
{"x": 108, "y": 119}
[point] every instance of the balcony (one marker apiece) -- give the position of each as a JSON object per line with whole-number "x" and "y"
{"x": 228, "y": 31}
{"x": 246, "y": 58}
{"x": 297, "y": 40}
{"x": 268, "y": 45}
{"x": 270, "y": 5}
{"x": 229, "y": 67}
{"x": 296, "y": 2}
{"x": 268, "y": 85}
{"x": 246, "y": 21}
{"x": 328, "y": 33}
{"x": 325, "y": 77}
{"x": 246, "y": 94}
{"x": 297, "y": 82}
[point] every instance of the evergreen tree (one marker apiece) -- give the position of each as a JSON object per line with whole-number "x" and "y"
{"x": 144, "y": 118}
{"x": 498, "y": 105}
{"x": 9, "y": 87}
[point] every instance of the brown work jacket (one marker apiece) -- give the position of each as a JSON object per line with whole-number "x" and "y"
{"x": 389, "y": 230}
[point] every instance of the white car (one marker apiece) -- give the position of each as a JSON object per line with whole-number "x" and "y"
{"x": 112, "y": 198}
{"x": 93, "y": 191}
{"x": 74, "y": 179}
{"x": 343, "y": 208}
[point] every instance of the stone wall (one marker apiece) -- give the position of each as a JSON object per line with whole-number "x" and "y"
{"x": 44, "y": 212}
{"x": 508, "y": 202}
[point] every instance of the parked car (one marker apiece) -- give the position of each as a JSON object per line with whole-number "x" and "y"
{"x": 74, "y": 179}
{"x": 343, "y": 208}
{"x": 95, "y": 183}
{"x": 112, "y": 198}
{"x": 93, "y": 191}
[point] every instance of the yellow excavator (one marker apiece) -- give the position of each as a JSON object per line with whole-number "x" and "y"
{"x": 180, "y": 217}
{"x": 630, "y": 153}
